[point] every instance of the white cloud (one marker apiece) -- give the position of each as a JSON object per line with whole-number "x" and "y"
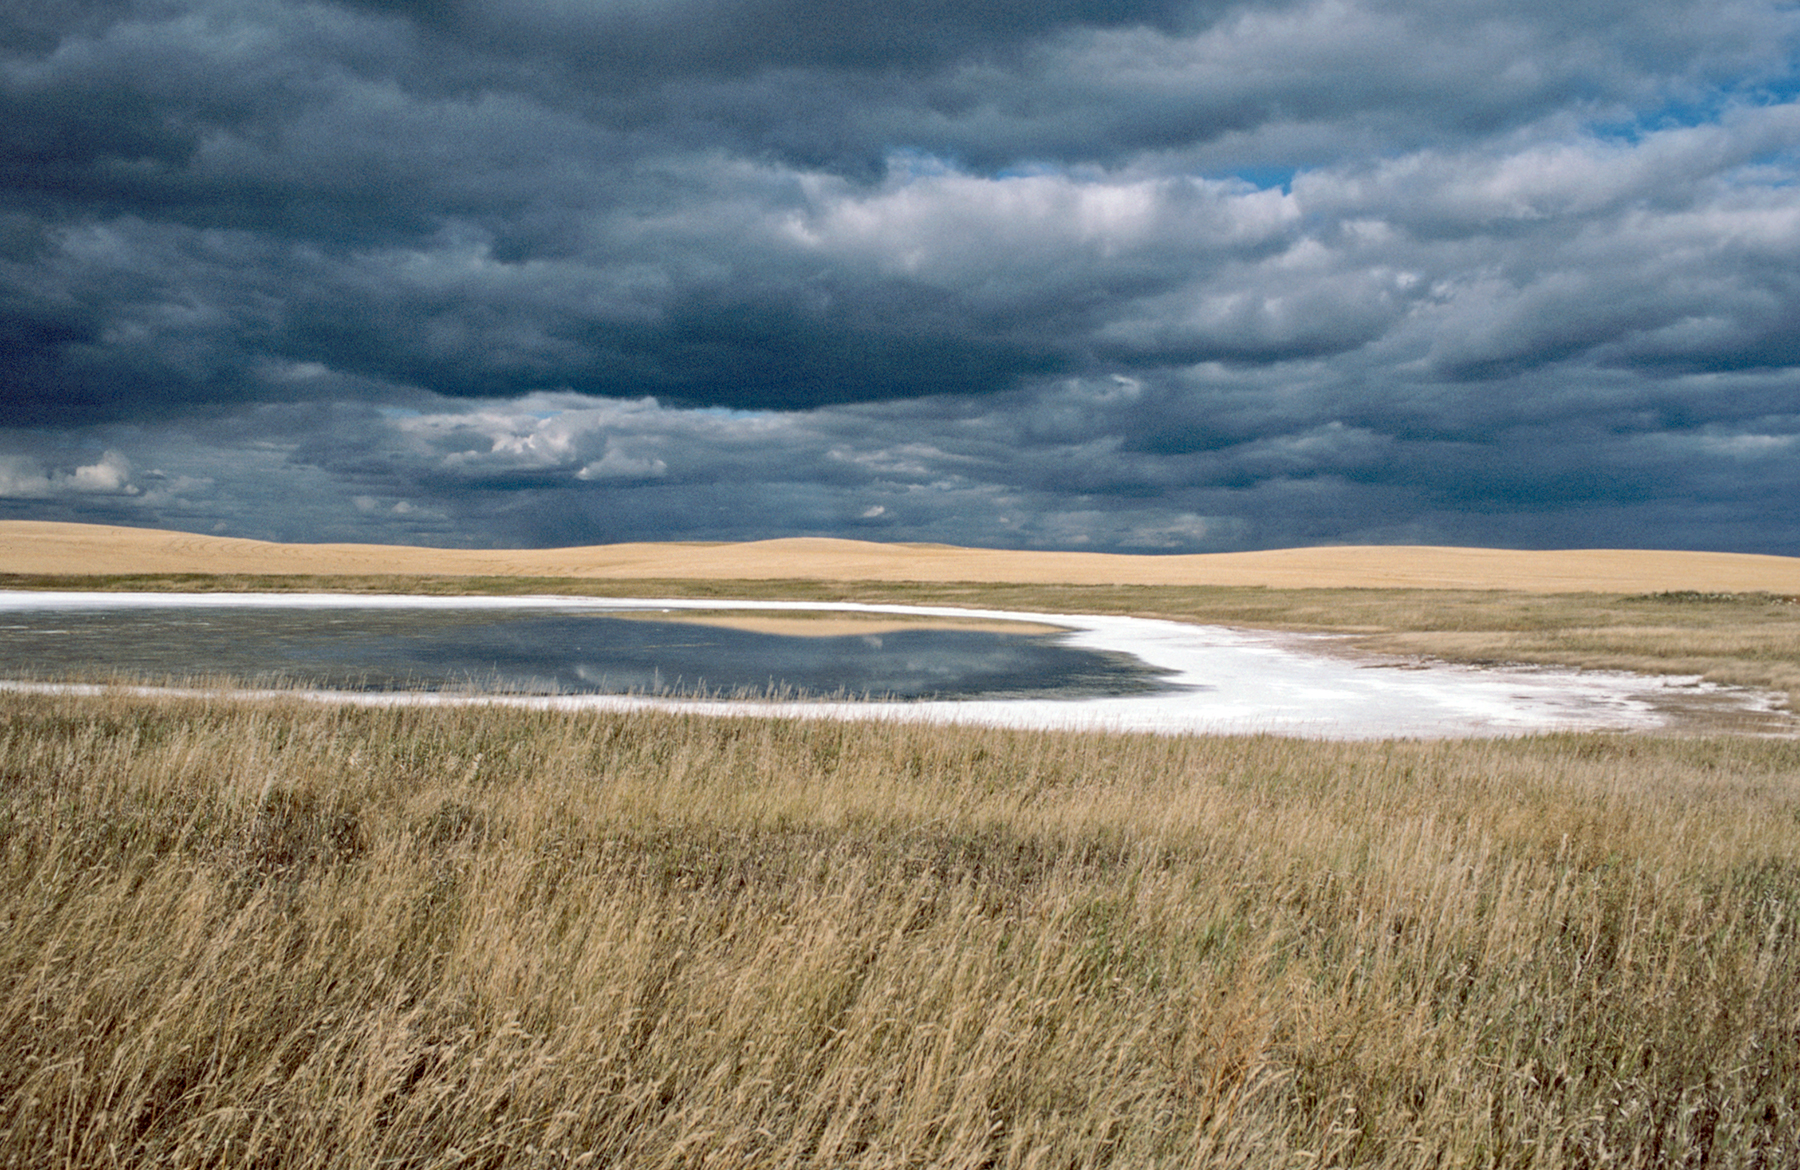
{"x": 1749, "y": 446}
{"x": 22, "y": 477}
{"x": 616, "y": 464}
{"x": 111, "y": 474}
{"x": 955, "y": 228}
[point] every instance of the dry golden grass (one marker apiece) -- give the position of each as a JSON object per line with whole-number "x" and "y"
{"x": 238, "y": 934}
{"x": 37, "y": 547}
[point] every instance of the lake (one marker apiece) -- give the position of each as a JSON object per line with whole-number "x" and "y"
{"x": 547, "y": 649}
{"x": 819, "y": 660}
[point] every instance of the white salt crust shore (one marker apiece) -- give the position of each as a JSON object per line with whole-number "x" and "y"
{"x": 1225, "y": 681}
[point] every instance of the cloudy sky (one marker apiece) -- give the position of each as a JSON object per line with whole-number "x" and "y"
{"x": 1132, "y": 275}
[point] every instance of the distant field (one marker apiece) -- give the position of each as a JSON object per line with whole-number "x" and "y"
{"x": 29, "y": 547}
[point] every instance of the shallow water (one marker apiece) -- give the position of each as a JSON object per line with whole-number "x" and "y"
{"x": 1114, "y": 673}
{"x": 568, "y": 650}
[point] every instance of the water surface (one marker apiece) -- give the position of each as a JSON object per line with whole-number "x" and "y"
{"x": 557, "y": 651}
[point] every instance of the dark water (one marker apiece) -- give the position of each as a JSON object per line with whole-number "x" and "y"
{"x": 548, "y": 652}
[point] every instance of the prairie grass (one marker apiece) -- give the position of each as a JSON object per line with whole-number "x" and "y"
{"x": 239, "y": 933}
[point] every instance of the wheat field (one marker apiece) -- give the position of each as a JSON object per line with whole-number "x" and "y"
{"x": 52, "y": 548}
{"x": 280, "y": 934}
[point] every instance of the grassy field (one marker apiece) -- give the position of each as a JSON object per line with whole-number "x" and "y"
{"x": 275, "y": 933}
{"x": 279, "y": 934}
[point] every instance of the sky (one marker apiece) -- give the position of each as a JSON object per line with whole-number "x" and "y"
{"x": 1121, "y": 275}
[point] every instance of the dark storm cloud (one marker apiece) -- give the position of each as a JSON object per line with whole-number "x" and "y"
{"x": 1107, "y": 273}
{"x": 620, "y": 43}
